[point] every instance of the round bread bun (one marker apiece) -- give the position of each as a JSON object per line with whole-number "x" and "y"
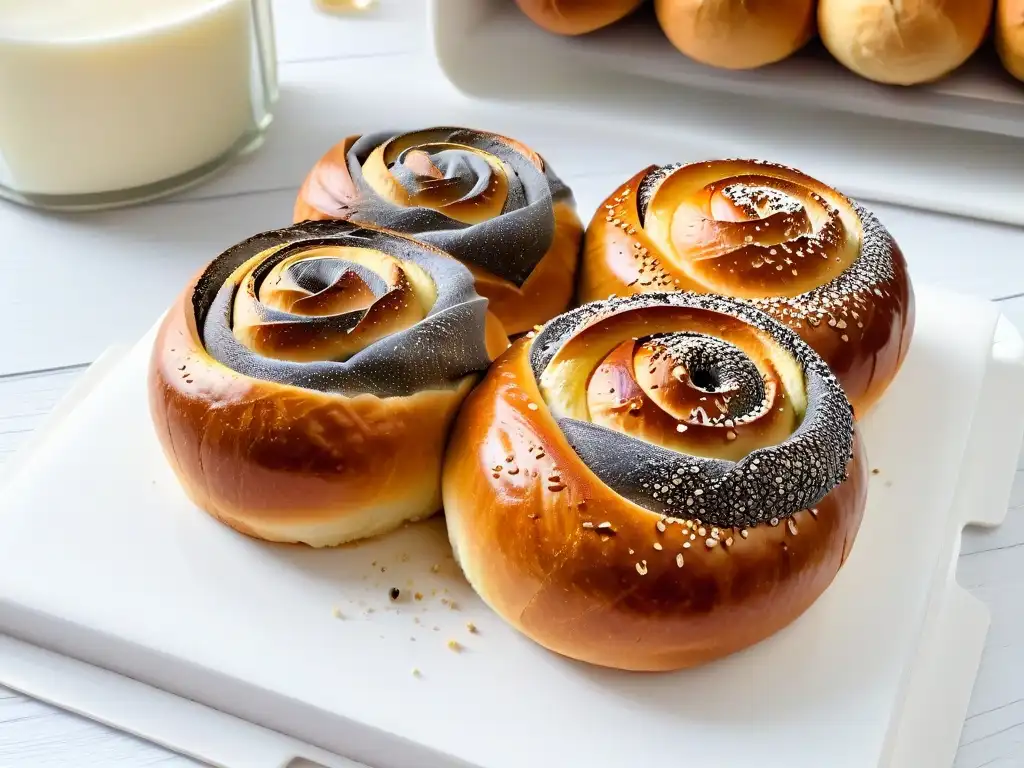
{"x": 799, "y": 250}
{"x": 488, "y": 200}
{"x": 737, "y": 34}
{"x": 304, "y": 384}
{"x": 903, "y": 43}
{"x": 655, "y": 481}
{"x": 1010, "y": 36}
{"x": 576, "y": 17}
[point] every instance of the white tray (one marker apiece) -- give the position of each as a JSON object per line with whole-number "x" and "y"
{"x": 103, "y": 560}
{"x": 955, "y": 146}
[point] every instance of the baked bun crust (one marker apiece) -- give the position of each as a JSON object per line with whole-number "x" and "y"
{"x": 816, "y": 261}
{"x": 734, "y": 34}
{"x": 576, "y": 17}
{"x": 303, "y": 386}
{"x": 488, "y": 200}
{"x": 1010, "y": 36}
{"x": 654, "y": 482}
{"x": 903, "y": 43}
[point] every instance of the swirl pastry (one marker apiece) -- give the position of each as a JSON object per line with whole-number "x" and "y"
{"x": 486, "y": 199}
{"x": 303, "y": 386}
{"x": 576, "y": 17}
{"x": 654, "y": 481}
{"x": 770, "y": 235}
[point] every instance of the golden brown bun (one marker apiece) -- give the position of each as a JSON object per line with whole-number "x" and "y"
{"x": 488, "y": 200}
{"x": 915, "y": 41}
{"x": 585, "y": 571}
{"x": 771, "y": 235}
{"x": 1010, "y": 36}
{"x": 576, "y": 17}
{"x": 271, "y": 436}
{"x": 737, "y": 34}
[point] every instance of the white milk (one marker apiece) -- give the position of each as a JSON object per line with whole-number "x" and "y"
{"x": 103, "y": 96}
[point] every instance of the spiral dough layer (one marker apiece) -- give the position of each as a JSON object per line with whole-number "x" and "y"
{"x": 307, "y": 368}
{"x": 486, "y": 199}
{"x": 654, "y": 481}
{"x": 774, "y": 237}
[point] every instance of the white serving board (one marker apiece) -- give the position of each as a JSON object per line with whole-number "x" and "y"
{"x": 102, "y": 559}
{"x": 929, "y": 146}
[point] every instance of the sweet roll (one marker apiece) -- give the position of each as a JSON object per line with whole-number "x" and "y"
{"x": 488, "y": 200}
{"x": 655, "y": 481}
{"x": 304, "y": 384}
{"x": 772, "y": 236}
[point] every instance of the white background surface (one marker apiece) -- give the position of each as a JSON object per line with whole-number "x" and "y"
{"x": 74, "y": 284}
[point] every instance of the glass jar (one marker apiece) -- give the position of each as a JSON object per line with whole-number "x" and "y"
{"x": 113, "y": 102}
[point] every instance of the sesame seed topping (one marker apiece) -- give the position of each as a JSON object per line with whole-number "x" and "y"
{"x": 679, "y": 561}
{"x": 657, "y": 546}
{"x": 641, "y": 567}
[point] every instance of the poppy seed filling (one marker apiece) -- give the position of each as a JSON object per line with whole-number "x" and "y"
{"x": 772, "y": 482}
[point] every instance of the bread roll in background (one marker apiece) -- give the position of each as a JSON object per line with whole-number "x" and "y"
{"x": 737, "y": 34}
{"x": 576, "y": 17}
{"x": 905, "y": 43}
{"x": 1010, "y": 36}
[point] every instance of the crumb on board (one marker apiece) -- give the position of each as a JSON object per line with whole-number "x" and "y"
{"x": 416, "y": 672}
{"x": 418, "y": 596}
{"x": 435, "y": 568}
{"x": 875, "y": 471}
{"x": 455, "y": 645}
{"x": 394, "y": 593}
{"x": 472, "y": 628}
{"x": 337, "y": 613}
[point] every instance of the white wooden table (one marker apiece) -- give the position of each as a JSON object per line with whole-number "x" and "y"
{"x": 72, "y": 285}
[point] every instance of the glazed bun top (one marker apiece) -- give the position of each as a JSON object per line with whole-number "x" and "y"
{"x": 342, "y": 308}
{"x": 772, "y": 235}
{"x": 696, "y": 405}
{"x": 486, "y": 199}
{"x": 758, "y": 230}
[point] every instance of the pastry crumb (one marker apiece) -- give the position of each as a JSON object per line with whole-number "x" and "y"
{"x": 472, "y": 628}
{"x": 337, "y": 613}
{"x": 455, "y": 645}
